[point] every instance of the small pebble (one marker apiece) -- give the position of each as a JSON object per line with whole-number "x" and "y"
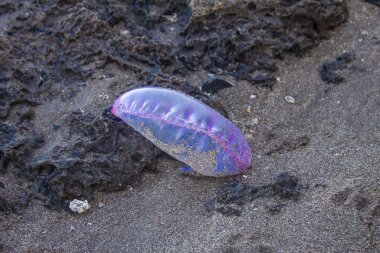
{"x": 101, "y": 204}
{"x": 290, "y": 99}
{"x": 79, "y": 206}
{"x": 252, "y": 96}
{"x": 249, "y": 109}
{"x": 125, "y": 32}
{"x": 171, "y": 18}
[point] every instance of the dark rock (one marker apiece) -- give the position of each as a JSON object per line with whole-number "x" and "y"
{"x": 263, "y": 80}
{"x": 275, "y": 209}
{"x": 329, "y": 70}
{"x": 229, "y": 211}
{"x": 5, "y": 206}
{"x": 230, "y": 39}
{"x": 16, "y": 205}
{"x": 230, "y": 195}
{"x": 7, "y": 6}
{"x": 214, "y": 84}
{"x": 99, "y": 154}
{"x": 15, "y": 149}
{"x": 375, "y": 2}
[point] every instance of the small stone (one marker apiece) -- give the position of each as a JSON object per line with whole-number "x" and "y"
{"x": 249, "y": 109}
{"x": 101, "y": 204}
{"x": 252, "y": 96}
{"x": 171, "y": 18}
{"x": 105, "y": 96}
{"x": 79, "y": 206}
{"x": 125, "y": 32}
{"x": 255, "y": 121}
{"x": 290, "y": 99}
{"x": 72, "y": 227}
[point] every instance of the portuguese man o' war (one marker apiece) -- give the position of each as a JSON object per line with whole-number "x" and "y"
{"x": 186, "y": 129}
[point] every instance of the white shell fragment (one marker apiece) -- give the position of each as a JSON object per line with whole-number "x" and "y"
{"x": 79, "y": 206}
{"x": 290, "y": 99}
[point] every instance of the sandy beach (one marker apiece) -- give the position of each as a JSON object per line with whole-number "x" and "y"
{"x": 325, "y": 136}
